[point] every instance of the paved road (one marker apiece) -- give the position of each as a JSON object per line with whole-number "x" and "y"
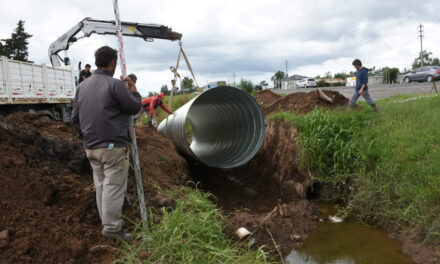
{"x": 376, "y": 91}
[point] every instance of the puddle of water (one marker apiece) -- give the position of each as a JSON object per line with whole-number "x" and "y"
{"x": 347, "y": 243}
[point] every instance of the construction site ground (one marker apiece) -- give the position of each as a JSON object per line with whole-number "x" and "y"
{"x": 48, "y": 211}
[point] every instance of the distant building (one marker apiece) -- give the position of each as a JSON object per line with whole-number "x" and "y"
{"x": 290, "y": 82}
{"x": 214, "y": 84}
{"x": 334, "y": 80}
{"x": 351, "y": 81}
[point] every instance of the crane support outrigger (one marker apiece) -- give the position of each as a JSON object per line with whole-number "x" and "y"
{"x": 88, "y": 26}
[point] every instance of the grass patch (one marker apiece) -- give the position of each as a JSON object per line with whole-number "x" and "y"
{"x": 194, "y": 232}
{"x": 383, "y": 166}
{"x": 163, "y": 157}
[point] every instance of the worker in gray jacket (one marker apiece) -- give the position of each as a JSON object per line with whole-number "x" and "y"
{"x": 101, "y": 112}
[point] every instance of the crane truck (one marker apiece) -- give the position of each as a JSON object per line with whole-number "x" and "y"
{"x": 49, "y": 91}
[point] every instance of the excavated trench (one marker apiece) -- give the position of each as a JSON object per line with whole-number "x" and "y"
{"x": 45, "y": 170}
{"x": 267, "y": 195}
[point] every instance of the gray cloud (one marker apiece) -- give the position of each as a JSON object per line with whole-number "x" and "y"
{"x": 251, "y": 38}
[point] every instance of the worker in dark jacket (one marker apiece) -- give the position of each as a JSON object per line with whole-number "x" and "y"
{"x": 102, "y": 111}
{"x": 84, "y": 74}
{"x": 150, "y": 104}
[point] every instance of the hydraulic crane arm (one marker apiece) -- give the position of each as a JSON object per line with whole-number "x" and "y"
{"x": 88, "y": 26}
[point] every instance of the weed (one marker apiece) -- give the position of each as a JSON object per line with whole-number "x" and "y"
{"x": 163, "y": 158}
{"x": 194, "y": 232}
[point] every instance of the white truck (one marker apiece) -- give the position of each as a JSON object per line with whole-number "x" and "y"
{"x": 50, "y": 91}
{"x": 47, "y": 91}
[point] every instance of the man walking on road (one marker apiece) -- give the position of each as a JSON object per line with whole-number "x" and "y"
{"x": 361, "y": 86}
{"x": 101, "y": 112}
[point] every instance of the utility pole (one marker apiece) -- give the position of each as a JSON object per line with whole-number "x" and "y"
{"x": 420, "y": 31}
{"x": 287, "y": 69}
{"x": 233, "y": 76}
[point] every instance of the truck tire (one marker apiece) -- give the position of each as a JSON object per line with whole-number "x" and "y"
{"x": 407, "y": 80}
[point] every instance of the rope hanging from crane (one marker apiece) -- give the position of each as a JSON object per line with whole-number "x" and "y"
{"x": 177, "y": 75}
{"x": 134, "y": 148}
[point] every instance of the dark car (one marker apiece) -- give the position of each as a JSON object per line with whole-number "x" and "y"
{"x": 428, "y": 73}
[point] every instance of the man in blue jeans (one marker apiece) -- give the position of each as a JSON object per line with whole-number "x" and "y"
{"x": 361, "y": 86}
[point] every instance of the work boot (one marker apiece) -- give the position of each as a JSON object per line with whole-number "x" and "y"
{"x": 118, "y": 235}
{"x": 375, "y": 109}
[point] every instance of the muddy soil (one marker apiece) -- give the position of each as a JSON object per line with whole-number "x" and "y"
{"x": 302, "y": 102}
{"x": 47, "y": 202}
{"x": 413, "y": 243}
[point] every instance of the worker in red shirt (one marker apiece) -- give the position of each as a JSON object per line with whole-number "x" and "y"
{"x": 150, "y": 104}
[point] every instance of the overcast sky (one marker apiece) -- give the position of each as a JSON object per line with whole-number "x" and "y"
{"x": 252, "y": 38}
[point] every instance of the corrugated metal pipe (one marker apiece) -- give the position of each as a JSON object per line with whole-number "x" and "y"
{"x": 222, "y": 127}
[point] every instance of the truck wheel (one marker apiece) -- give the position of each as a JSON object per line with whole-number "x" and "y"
{"x": 429, "y": 78}
{"x": 407, "y": 80}
{"x": 45, "y": 118}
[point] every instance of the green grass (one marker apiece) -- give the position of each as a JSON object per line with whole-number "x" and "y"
{"x": 193, "y": 232}
{"x": 383, "y": 166}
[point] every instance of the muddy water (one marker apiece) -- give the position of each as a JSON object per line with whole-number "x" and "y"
{"x": 347, "y": 243}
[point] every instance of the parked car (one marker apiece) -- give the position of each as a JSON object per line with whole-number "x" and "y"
{"x": 308, "y": 82}
{"x": 428, "y": 73}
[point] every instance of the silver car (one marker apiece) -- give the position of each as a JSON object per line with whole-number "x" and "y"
{"x": 304, "y": 83}
{"x": 428, "y": 73}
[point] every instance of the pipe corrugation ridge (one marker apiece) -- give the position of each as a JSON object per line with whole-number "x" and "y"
{"x": 228, "y": 127}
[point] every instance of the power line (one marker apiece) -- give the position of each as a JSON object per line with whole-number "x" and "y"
{"x": 421, "y": 36}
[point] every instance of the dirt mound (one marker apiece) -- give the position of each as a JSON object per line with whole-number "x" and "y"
{"x": 302, "y": 102}
{"x": 48, "y": 211}
{"x": 266, "y": 97}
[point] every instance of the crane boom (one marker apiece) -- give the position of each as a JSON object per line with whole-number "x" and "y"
{"x": 88, "y": 26}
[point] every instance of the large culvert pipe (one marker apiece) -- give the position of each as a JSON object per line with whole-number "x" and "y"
{"x": 227, "y": 127}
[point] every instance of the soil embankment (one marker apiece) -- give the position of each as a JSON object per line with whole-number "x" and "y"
{"x": 48, "y": 211}
{"x": 302, "y": 102}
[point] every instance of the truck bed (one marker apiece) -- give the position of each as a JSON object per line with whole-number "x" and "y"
{"x": 29, "y": 83}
